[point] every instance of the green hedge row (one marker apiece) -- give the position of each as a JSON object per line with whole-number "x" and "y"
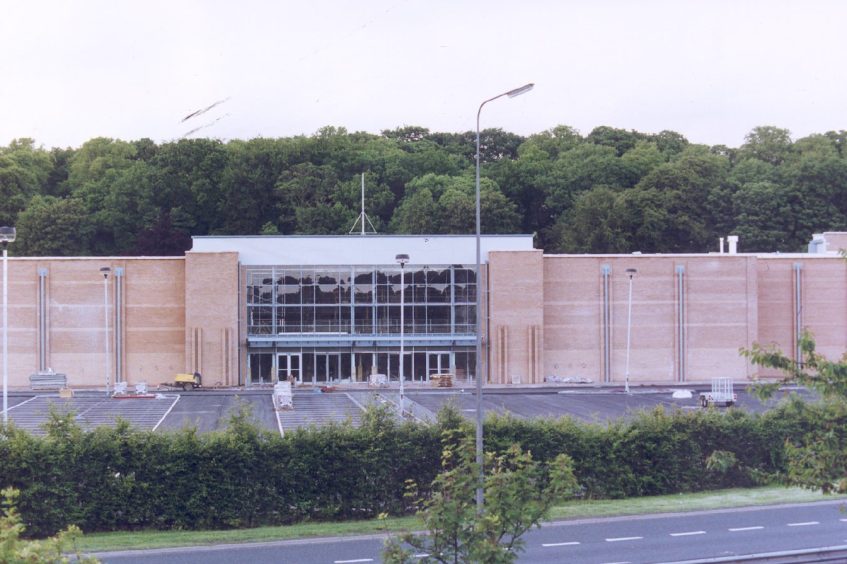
{"x": 122, "y": 479}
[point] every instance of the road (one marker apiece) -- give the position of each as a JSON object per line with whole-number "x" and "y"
{"x": 635, "y": 539}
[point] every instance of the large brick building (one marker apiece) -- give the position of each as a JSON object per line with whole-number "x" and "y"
{"x": 244, "y": 310}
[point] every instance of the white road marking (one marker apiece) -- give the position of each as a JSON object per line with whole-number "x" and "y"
{"x": 737, "y": 529}
{"x": 619, "y": 539}
{"x": 354, "y": 561}
{"x": 549, "y": 544}
{"x": 621, "y": 562}
{"x": 167, "y": 412}
{"x": 805, "y": 524}
{"x": 421, "y": 555}
{"x": 844, "y": 520}
{"x": 688, "y": 533}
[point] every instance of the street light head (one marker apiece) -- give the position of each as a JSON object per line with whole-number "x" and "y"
{"x": 105, "y": 270}
{"x": 522, "y": 90}
{"x": 631, "y": 272}
{"x": 402, "y": 259}
{"x": 7, "y": 235}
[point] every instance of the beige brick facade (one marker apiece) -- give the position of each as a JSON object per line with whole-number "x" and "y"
{"x": 549, "y": 318}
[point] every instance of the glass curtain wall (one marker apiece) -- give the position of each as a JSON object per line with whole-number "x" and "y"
{"x": 361, "y": 300}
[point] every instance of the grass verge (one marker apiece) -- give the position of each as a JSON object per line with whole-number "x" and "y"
{"x": 722, "y": 499}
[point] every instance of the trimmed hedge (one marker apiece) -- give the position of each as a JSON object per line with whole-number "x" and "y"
{"x": 122, "y": 479}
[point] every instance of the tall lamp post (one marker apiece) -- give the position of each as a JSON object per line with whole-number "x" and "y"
{"x": 479, "y": 377}
{"x": 402, "y": 260}
{"x": 631, "y": 273}
{"x": 106, "y": 270}
{"x": 7, "y": 235}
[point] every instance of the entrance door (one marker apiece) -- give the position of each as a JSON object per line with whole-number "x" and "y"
{"x": 289, "y": 365}
{"x": 327, "y": 367}
{"x": 260, "y": 367}
{"x": 438, "y": 363}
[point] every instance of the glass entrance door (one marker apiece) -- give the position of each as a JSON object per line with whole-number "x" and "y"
{"x": 260, "y": 367}
{"x": 288, "y": 365}
{"x": 327, "y": 367}
{"x": 438, "y": 363}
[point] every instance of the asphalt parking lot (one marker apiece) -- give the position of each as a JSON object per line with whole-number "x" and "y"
{"x": 209, "y": 410}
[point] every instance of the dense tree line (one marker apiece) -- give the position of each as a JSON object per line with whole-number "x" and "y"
{"x": 612, "y": 190}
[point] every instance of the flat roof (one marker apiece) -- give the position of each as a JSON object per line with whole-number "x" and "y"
{"x": 319, "y": 250}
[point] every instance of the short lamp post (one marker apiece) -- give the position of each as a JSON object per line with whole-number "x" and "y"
{"x": 631, "y": 273}
{"x": 105, "y": 271}
{"x": 402, "y": 259}
{"x": 7, "y": 235}
{"x": 479, "y": 374}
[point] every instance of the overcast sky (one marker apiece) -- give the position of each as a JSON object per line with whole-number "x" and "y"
{"x": 711, "y": 70}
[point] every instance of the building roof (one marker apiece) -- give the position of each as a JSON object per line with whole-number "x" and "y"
{"x": 359, "y": 249}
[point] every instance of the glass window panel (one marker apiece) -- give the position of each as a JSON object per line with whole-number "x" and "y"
{"x": 327, "y": 320}
{"x": 364, "y": 277}
{"x": 438, "y": 276}
{"x": 419, "y": 294}
{"x": 364, "y": 320}
{"x": 288, "y": 294}
{"x": 364, "y": 294}
{"x": 438, "y": 293}
{"x": 394, "y": 292}
{"x": 308, "y": 325}
{"x": 438, "y": 319}
{"x": 326, "y": 294}
{"x": 289, "y": 320}
{"x": 308, "y": 294}
{"x": 460, "y": 293}
{"x": 460, "y": 275}
{"x": 345, "y": 314}
{"x": 419, "y": 316}
{"x": 260, "y": 320}
{"x": 329, "y": 278}
{"x": 388, "y": 319}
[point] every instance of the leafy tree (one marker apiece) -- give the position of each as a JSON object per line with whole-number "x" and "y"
{"x": 519, "y": 493}
{"x": 52, "y": 226}
{"x": 24, "y": 171}
{"x": 767, "y": 143}
{"x": 620, "y": 140}
{"x": 553, "y": 142}
{"x": 582, "y": 168}
{"x": 762, "y": 213}
{"x": 592, "y": 225}
{"x": 819, "y": 460}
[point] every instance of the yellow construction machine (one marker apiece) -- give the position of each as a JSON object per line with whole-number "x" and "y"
{"x": 186, "y": 381}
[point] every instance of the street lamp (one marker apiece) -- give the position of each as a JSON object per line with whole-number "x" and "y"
{"x": 402, "y": 259}
{"x": 7, "y": 235}
{"x": 106, "y": 270}
{"x": 631, "y": 273}
{"x": 479, "y": 492}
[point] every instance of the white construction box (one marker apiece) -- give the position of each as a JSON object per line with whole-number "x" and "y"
{"x": 283, "y": 398}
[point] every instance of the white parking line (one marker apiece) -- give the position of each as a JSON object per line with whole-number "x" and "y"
{"x": 167, "y": 412}
{"x": 805, "y": 524}
{"x": 688, "y": 533}
{"x": 737, "y": 529}
{"x": 549, "y": 544}
{"x": 619, "y": 539}
{"x": 421, "y": 555}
